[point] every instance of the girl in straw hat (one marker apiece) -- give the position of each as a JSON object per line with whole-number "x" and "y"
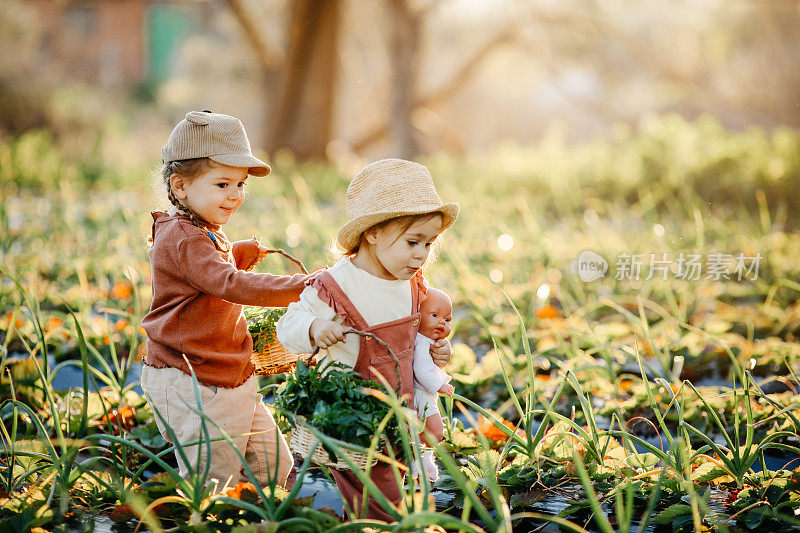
{"x": 195, "y": 324}
{"x": 395, "y": 217}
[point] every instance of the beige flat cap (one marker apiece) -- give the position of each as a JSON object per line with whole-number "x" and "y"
{"x": 219, "y": 137}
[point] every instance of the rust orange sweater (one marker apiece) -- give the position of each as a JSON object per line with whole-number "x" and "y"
{"x": 198, "y": 293}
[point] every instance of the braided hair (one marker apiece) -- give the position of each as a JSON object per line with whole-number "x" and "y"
{"x": 190, "y": 168}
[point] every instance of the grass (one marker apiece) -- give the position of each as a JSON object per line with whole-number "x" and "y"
{"x": 558, "y": 373}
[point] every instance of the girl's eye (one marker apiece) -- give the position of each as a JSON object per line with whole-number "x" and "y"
{"x": 412, "y": 243}
{"x": 241, "y": 184}
{"x": 434, "y": 315}
{"x": 428, "y": 245}
{"x": 448, "y": 319}
{"x": 222, "y": 185}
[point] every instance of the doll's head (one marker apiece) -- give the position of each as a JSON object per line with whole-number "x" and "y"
{"x": 436, "y": 313}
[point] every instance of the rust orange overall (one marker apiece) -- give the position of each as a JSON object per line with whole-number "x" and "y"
{"x": 373, "y": 358}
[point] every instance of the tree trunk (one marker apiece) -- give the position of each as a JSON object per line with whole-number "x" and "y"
{"x": 302, "y": 120}
{"x": 448, "y": 89}
{"x": 404, "y": 48}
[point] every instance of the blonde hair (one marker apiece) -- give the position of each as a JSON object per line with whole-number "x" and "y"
{"x": 189, "y": 169}
{"x": 404, "y": 222}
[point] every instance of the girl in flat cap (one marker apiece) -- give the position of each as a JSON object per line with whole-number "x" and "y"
{"x": 196, "y": 324}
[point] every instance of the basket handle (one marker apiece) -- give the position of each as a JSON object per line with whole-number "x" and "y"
{"x": 289, "y": 257}
{"x": 368, "y": 335}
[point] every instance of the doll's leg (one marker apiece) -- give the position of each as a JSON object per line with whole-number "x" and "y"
{"x": 434, "y": 425}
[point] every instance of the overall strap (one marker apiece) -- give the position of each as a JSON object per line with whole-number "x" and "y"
{"x": 332, "y": 294}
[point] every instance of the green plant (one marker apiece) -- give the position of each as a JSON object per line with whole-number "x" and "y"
{"x": 261, "y": 324}
{"x": 336, "y": 401}
{"x": 767, "y": 500}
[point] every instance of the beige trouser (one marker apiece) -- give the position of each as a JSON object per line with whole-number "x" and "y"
{"x": 239, "y": 412}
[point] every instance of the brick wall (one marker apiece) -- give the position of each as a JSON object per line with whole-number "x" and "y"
{"x": 102, "y": 42}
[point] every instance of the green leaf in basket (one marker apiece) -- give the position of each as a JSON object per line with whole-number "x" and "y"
{"x": 332, "y": 398}
{"x": 261, "y": 323}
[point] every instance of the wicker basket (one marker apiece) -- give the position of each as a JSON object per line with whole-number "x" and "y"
{"x": 303, "y": 439}
{"x": 275, "y": 359}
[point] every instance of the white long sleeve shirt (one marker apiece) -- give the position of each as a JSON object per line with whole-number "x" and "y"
{"x": 378, "y": 300}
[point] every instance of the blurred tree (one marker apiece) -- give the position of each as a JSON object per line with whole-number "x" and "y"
{"x": 302, "y": 114}
{"x": 308, "y": 74}
{"x": 23, "y": 104}
{"x": 408, "y": 24}
{"x": 415, "y": 76}
{"x": 302, "y": 118}
{"x": 404, "y": 51}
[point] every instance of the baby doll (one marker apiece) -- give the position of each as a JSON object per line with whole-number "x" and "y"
{"x": 430, "y": 380}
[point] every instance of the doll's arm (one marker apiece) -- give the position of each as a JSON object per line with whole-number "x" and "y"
{"x": 441, "y": 352}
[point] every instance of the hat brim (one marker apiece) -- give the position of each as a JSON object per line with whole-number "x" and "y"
{"x": 255, "y": 166}
{"x": 349, "y": 234}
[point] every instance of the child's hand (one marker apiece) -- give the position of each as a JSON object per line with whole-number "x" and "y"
{"x": 326, "y": 333}
{"x": 447, "y": 389}
{"x": 441, "y": 352}
{"x": 262, "y": 253}
{"x": 249, "y": 253}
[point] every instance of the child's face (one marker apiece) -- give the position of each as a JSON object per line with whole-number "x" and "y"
{"x": 437, "y": 312}
{"x": 215, "y": 194}
{"x": 401, "y": 256}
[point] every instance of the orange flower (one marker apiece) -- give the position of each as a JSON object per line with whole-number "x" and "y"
{"x": 124, "y": 417}
{"x": 54, "y": 323}
{"x": 121, "y": 290}
{"x": 244, "y": 490}
{"x": 625, "y": 384}
{"x": 107, "y": 340}
{"x": 546, "y": 311}
{"x": 120, "y": 324}
{"x": 490, "y": 431}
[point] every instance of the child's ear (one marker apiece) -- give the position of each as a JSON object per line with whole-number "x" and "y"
{"x": 371, "y": 236}
{"x": 178, "y": 185}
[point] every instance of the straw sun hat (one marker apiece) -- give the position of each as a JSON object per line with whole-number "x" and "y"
{"x": 387, "y": 189}
{"x": 218, "y": 137}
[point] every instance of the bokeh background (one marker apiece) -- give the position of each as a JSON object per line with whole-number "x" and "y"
{"x": 620, "y": 127}
{"x": 337, "y": 79}
{"x": 666, "y": 129}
